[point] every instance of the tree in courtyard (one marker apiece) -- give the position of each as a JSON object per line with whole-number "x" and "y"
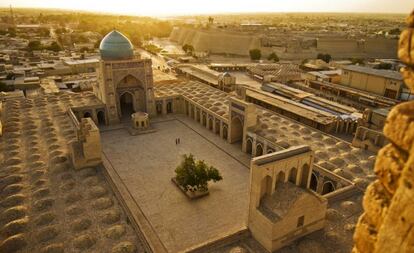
{"x": 194, "y": 175}
{"x": 255, "y": 54}
{"x": 273, "y": 57}
{"x": 324, "y": 57}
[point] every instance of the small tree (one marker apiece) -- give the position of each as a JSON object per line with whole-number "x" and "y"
{"x": 194, "y": 175}
{"x": 4, "y": 87}
{"x": 357, "y": 61}
{"x": 34, "y": 45}
{"x": 273, "y": 57}
{"x": 189, "y": 49}
{"x": 54, "y": 47}
{"x": 324, "y": 57}
{"x": 255, "y": 54}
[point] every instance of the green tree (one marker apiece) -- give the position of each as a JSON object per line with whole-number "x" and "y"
{"x": 12, "y": 32}
{"x": 192, "y": 174}
{"x": 34, "y": 45}
{"x": 395, "y": 31}
{"x": 358, "y": 61}
{"x": 324, "y": 57}
{"x": 384, "y": 65}
{"x": 189, "y": 49}
{"x": 4, "y": 87}
{"x": 54, "y": 47}
{"x": 255, "y": 54}
{"x": 273, "y": 57}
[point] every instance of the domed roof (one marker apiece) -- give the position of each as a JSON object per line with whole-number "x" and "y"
{"x": 116, "y": 46}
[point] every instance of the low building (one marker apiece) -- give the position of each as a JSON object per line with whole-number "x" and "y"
{"x": 282, "y": 207}
{"x": 369, "y": 133}
{"x": 333, "y": 76}
{"x": 385, "y": 83}
{"x": 82, "y": 66}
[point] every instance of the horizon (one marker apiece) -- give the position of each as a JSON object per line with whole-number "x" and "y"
{"x": 155, "y": 8}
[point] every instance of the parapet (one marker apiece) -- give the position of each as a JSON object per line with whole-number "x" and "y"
{"x": 86, "y": 150}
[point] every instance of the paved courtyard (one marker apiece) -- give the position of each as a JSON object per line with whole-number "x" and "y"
{"x": 146, "y": 163}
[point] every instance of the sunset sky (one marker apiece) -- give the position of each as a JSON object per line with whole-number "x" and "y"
{"x": 174, "y": 7}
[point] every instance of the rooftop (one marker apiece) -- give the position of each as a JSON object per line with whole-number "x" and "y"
{"x": 375, "y": 72}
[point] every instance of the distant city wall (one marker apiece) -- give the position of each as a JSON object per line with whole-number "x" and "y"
{"x": 370, "y": 47}
{"x": 238, "y": 43}
{"x": 216, "y": 42}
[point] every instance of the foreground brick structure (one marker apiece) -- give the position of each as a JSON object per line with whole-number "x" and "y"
{"x": 387, "y": 225}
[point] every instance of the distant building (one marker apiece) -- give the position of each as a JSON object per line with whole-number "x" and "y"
{"x": 332, "y": 76}
{"x": 380, "y": 82}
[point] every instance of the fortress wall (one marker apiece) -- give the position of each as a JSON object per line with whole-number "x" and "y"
{"x": 333, "y": 46}
{"x": 189, "y": 37}
{"x": 183, "y": 35}
{"x": 216, "y": 41}
{"x": 175, "y": 33}
{"x": 225, "y": 43}
{"x": 381, "y": 47}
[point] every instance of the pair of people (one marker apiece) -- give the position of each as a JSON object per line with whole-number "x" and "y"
{"x": 177, "y": 141}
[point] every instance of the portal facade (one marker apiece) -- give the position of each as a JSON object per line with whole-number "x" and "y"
{"x": 125, "y": 83}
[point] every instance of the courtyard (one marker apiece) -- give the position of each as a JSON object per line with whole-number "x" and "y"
{"x": 146, "y": 164}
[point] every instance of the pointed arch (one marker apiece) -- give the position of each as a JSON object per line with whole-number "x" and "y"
{"x": 293, "y": 173}
{"x": 259, "y": 150}
{"x": 327, "y": 187}
{"x": 305, "y": 176}
{"x": 249, "y": 146}
{"x": 129, "y": 81}
{"x": 313, "y": 182}
{"x": 280, "y": 179}
{"x": 236, "y": 129}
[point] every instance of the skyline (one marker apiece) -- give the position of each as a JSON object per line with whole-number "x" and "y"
{"x": 188, "y": 7}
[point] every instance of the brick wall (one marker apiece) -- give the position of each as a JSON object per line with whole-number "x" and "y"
{"x": 387, "y": 224}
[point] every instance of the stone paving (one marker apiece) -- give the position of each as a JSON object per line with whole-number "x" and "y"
{"x": 146, "y": 164}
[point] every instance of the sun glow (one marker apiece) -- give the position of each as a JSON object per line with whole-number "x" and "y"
{"x": 184, "y": 7}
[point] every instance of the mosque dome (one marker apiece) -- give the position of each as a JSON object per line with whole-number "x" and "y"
{"x": 116, "y": 46}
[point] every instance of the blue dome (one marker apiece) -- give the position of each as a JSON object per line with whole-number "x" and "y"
{"x": 116, "y": 46}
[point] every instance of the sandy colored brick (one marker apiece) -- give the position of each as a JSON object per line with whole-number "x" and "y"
{"x": 410, "y": 19}
{"x": 408, "y": 76}
{"x": 406, "y": 46}
{"x": 396, "y": 233}
{"x": 365, "y": 235}
{"x": 399, "y": 127}
{"x": 376, "y": 202}
{"x": 388, "y": 166}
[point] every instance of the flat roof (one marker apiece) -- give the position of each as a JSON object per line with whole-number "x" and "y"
{"x": 299, "y": 109}
{"x": 375, "y": 72}
{"x": 282, "y": 154}
{"x": 382, "y": 111}
{"x": 84, "y": 61}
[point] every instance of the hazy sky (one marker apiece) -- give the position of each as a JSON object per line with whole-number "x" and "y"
{"x": 173, "y": 7}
